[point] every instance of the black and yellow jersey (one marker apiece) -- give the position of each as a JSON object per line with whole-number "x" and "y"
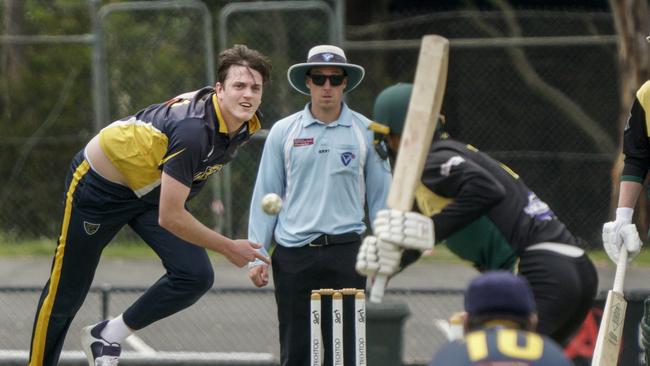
{"x": 636, "y": 138}
{"x": 499, "y": 346}
{"x": 482, "y": 209}
{"x": 186, "y": 137}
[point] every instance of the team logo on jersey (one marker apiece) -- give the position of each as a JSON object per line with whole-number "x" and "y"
{"x": 347, "y": 157}
{"x": 91, "y": 228}
{"x": 303, "y": 142}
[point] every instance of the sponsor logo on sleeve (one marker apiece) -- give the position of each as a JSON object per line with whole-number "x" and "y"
{"x": 445, "y": 169}
{"x": 538, "y": 209}
{"x": 208, "y": 172}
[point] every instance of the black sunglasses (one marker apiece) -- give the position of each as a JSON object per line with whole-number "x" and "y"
{"x": 319, "y": 79}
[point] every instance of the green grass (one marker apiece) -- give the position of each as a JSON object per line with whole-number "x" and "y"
{"x": 121, "y": 248}
{"x": 598, "y": 256}
{"x": 45, "y": 247}
{"x": 137, "y": 249}
{"x": 642, "y": 260}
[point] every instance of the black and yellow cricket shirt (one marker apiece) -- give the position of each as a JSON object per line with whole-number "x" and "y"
{"x": 186, "y": 137}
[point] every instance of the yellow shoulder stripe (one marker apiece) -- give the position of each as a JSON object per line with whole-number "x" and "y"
{"x": 163, "y": 161}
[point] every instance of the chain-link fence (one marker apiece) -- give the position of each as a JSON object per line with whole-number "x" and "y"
{"x": 545, "y": 104}
{"x": 537, "y": 89}
{"x": 224, "y": 320}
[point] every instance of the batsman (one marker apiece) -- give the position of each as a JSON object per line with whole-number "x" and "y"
{"x": 636, "y": 148}
{"x": 487, "y": 216}
{"x": 636, "y": 151}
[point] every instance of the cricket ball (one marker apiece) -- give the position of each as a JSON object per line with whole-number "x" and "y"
{"x": 271, "y": 204}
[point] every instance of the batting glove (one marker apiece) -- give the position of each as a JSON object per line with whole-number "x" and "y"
{"x": 409, "y": 230}
{"x": 612, "y": 239}
{"x": 626, "y": 237}
{"x": 378, "y": 257}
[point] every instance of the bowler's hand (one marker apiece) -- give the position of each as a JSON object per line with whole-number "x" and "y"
{"x": 259, "y": 275}
{"x": 242, "y": 251}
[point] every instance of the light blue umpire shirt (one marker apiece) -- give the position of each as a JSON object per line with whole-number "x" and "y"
{"x": 324, "y": 174}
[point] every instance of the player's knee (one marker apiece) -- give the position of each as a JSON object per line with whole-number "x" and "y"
{"x": 198, "y": 280}
{"x": 204, "y": 279}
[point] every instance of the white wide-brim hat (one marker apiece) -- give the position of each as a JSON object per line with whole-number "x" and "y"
{"x": 324, "y": 55}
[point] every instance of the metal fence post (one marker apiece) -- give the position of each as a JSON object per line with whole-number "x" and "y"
{"x": 106, "y": 299}
{"x": 99, "y": 84}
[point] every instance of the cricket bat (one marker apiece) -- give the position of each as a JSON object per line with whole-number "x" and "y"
{"x": 421, "y": 118}
{"x": 610, "y": 332}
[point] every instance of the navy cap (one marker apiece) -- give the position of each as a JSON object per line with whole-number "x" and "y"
{"x": 499, "y": 292}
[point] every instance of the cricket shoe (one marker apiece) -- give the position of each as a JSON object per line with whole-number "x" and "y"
{"x": 99, "y": 351}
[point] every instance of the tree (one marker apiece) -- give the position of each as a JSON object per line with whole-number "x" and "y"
{"x": 11, "y": 55}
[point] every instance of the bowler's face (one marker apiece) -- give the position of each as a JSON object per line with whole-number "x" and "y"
{"x": 241, "y": 93}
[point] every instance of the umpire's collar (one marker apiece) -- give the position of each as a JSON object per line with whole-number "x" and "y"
{"x": 344, "y": 119}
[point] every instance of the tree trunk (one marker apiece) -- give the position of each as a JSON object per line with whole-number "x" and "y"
{"x": 632, "y": 26}
{"x": 280, "y": 41}
{"x": 12, "y": 54}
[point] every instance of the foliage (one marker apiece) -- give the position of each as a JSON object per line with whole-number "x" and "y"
{"x": 47, "y": 106}
{"x": 46, "y": 114}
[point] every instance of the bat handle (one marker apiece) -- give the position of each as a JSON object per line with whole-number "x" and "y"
{"x": 377, "y": 292}
{"x": 621, "y": 266}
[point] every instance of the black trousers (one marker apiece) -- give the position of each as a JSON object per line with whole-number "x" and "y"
{"x": 95, "y": 210}
{"x": 296, "y": 271}
{"x": 564, "y": 289}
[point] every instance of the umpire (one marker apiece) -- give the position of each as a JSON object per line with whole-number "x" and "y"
{"x": 323, "y": 163}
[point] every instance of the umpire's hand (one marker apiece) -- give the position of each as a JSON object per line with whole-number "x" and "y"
{"x": 259, "y": 275}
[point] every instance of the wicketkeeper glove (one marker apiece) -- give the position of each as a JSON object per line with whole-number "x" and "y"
{"x": 409, "y": 230}
{"x": 620, "y": 234}
{"x": 378, "y": 257}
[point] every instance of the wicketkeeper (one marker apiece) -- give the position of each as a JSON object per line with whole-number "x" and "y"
{"x": 486, "y": 215}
